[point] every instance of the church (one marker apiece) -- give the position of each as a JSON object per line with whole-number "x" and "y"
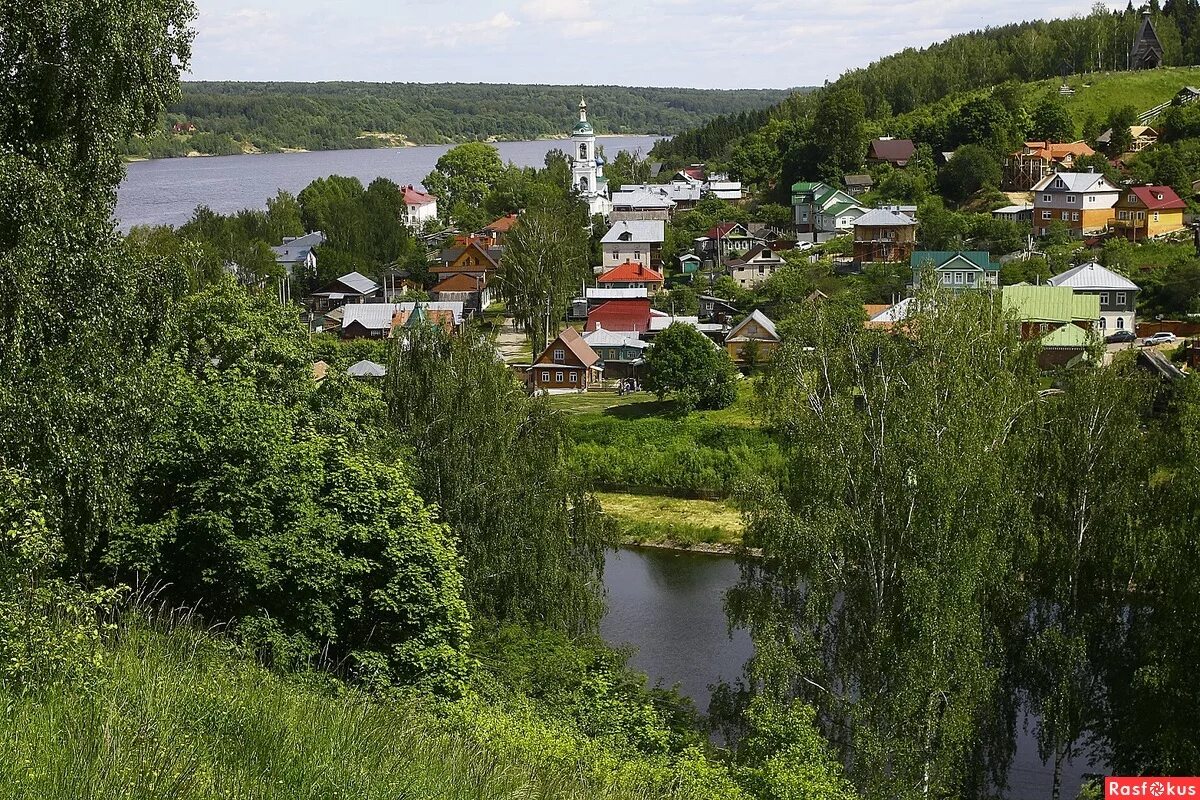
{"x": 587, "y": 166}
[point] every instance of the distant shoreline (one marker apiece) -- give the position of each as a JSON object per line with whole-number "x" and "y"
{"x": 399, "y": 146}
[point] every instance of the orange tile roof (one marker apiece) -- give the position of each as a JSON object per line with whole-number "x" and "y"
{"x": 504, "y": 224}
{"x": 630, "y": 271}
{"x": 1056, "y": 151}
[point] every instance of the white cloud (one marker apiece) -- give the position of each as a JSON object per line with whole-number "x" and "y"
{"x": 557, "y": 10}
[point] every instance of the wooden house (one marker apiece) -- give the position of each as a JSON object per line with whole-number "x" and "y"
{"x": 884, "y": 236}
{"x": 754, "y": 339}
{"x": 567, "y": 364}
{"x": 1025, "y": 168}
{"x": 1145, "y": 212}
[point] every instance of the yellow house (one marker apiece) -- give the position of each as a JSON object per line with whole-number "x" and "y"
{"x": 1144, "y": 212}
{"x": 757, "y": 329}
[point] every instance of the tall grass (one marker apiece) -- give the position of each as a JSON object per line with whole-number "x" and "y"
{"x": 179, "y": 715}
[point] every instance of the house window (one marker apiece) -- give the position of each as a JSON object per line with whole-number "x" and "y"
{"x": 1104, "y": 298}
{"x": 1070, "y": 198}
{"x": 1122, "y": 215}
{"x": 1120, "y": 323}
{"x": 637, "y": 255}
{"x": 616, "y": 253}
{"x": 1047, "y": 215}
{"x": 1091, "y": 198}
{"x": 545, "y": 377}
{"x": 558, "y": 377}
{"x": 1075, "y": 216}
{"x": 947, "y": 278}
{"x": 1156, "y": 216}
{"x": 559, "y": 355}
{"x": 1066, "y": 215}
{"x": 1141, "y": 215}
{"x": 571, "y": 377}
{"x": 1132, "y": 199}
{"x": 1103, "y": 323}
{"x": 958, "y": 278}
{"x": 1046, "y": 198}
{"x": 1122, "y": 298}
{"x": 971, "y": 278}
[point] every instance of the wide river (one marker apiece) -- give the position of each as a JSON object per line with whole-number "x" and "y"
{"x": 166, "y": 191}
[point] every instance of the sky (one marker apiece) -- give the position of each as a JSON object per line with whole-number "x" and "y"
{"x": 694, "y": 43}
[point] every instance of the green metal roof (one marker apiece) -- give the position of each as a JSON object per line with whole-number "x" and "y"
{"x": 941, "y": 257}
{"x": 1066, "y": 336}
{"x": 1050, "y": 304}
{"x": 836, "y": 209}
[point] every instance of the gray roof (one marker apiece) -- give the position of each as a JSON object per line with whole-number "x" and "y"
{"x": 881, "y": 218}
{"x": 606, "y": 338}
{"x": 661, "y": 323}
{"x": 1092, "y": 276}
{"x": 639, "y": 230}
{"x": 378, "y": 316}
{"x": 596, "y": 293}
{"x": 755, "y": 316}
{"x": 297, "y": 248}
{"x": 359, "y": 283}
{"x": 641, "y": 198}
{"x": 1074, "y": 182}
{"x": 366, "y": 369}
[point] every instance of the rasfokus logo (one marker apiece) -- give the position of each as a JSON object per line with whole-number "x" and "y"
{"x": 1151, "y": 787}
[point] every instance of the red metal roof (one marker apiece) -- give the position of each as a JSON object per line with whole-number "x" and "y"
{"x": 630, "y": 272}
{"x": 718, "y": 231}
{"x": 620, "y": 315}
{"x": 894, "y": 150}
{"x": 413, "y": 197}
{"x": 1158, "y": 198}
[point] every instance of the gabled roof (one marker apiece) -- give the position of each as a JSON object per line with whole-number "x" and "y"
{"x": 1158, "y": 198}
{"x": 640, "y": 230}
{"x": 503, "y": 225}
{"x": 570, "y": 339}
{"x": 630, "y": 272}
{"x": 490, "y": 254}
{"x": 366, "y": 369}
{"x": 297, "y": 248}
{"x": 1077, "y": 182}
{"x": 725, "y": 229}
{"x": 1093, "y": 277}
{"x": 1056, "y": 151}
{"x": 759, "y": 254}
{"x": 641, "y": 199}
{"x": 879, "y": 218}
{"x": 1071, "y": 336}
{"x": 894, "y": 150}
{"x": 838, "y": 209}
{"x": 858, "y": 180}
{"x": 763, "y": 321}
{"x": 460, "y": 282}
{"x": 608, "y": 293}
{"x": 620, "y": 315}
{"x": 603, "y": 337}
{"x": 1050, "y": 304}
{"x": 943, "y": 258}
{"x": 415, "y": 197}
{"x": 354, "y": 281}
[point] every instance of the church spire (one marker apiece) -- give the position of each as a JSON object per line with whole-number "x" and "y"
{"x": 582, "y": 109}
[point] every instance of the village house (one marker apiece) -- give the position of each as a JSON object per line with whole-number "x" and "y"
{"x": 351, "y": 288}
{"x": 466, "y": 271}
{"x": 683, "y": 194}
{"x": 634, "y": 240}
{"x": 690, "y": 264}
{"x": 727, "y": 239}
{"x": 632, "y": 275}
{"x": 640, "y": 204}
{"x": 620, "y": 315}
{"x": 494, "y": 234}
{"x": 1025, "y": 168}
{"x": 296, "y": 256}
{"x": 886, "y": 150}
{"x": 819, "y": 207}
{"x": 956, "y": 269}
{"x": 883, "y": 236}
{"x": 716, "y": 184}
{"x": 716, "y": 308}
{"x": 382, "y": 320}
{"x": 1146, "y": 212}
{"x": 1116, "y": 294}
{"x": 1063, "y": 321}
{"x": 1017, "y": 212}
{"x": 858, "y": 184}
{"x": 755, "y": 267}
{"x": 419, "y": 207}
{"x": 1142, "y": 136}
{"x": 753, "y": 340}
{"x": 567, "y": 364}
{"x": 473, "y": 290}
{"x": 622, "y": 353}
{"x": 1082, "y": 201}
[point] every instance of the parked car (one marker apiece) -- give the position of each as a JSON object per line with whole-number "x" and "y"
{"x": 1162, "y": 337}
{"x": 1121, "y": 337}
{"x": 804, "y": 245}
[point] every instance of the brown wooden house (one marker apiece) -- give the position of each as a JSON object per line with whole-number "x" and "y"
{"x": 881, "y": 236}
{"x": 567, "y": 364}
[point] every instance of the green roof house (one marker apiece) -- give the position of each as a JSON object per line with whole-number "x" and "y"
{"x": 818, "y": 206}
{"x": 956, "y": 269}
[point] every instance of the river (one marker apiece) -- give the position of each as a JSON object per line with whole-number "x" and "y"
{"x": 166, "y": 191}
{"x": 669, "y": 606}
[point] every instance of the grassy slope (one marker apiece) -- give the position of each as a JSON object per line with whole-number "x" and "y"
{"x": 672, "y": 521}
{"x": 1099, "y": 93}
{"x": 178, "y": 716}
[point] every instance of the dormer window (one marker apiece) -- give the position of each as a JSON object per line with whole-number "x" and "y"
{"x": 1158, "y": 196}
{"x": 626, "y": 236}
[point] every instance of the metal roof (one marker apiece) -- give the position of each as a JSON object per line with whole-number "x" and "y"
{"x": 877, "y": 217}
{"x": 1092, "y": 276}
{"x": 755, "y": 316}
{"x": 1077, "y": 182}
{"x": 366, "y": 369}
{"x": 602, "y": 337}
{"x": 1050, "y": 304}
{"x": 594, "y": 293}
{"x": 359, "y": 283}
{"x": 639, "y": 230}
{"x": 942, "y": 258}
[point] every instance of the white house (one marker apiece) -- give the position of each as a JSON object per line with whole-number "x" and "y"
{"x": 296, "y": 255}
{"x": 419, "y": 207}
{"x": 755, "y": 267}
{"x": 1117, "y": 294}
{"x": 640, "y": 241}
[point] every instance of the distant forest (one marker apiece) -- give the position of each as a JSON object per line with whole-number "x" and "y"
{"x": 232, "y": 117}
{"x": 915, "y": 77}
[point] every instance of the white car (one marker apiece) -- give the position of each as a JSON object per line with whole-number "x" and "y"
{"x": 1162, "y": 337}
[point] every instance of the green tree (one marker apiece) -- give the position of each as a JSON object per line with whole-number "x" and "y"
{"x": 464, "y": 175}
{"x": 1120, "y": 120}
{"x": 1052, "y": 122}
{"x": 879, "y": 596}
{"x": 839, "y": 133}
{"x": 493, "y": 461}
{"x": 972, "y": 168}
{"x": 685, "y": 364}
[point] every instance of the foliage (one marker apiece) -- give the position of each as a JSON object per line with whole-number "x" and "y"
{"x": 685, "y": 363}
{"x": 972, "y": 168}
{"x": 493, "y": 462}
{"x": 1052, "y": 122}
{"x": 1119, "y": 122}
{"x": 785, "y": 756}
{"x": 463, "y": 176}
{"x": 839, "y": 136}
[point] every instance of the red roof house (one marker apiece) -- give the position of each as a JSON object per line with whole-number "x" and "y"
{"x": 631, "y": 275}
{"x": 620, "y": 315}
{"x": 415, "y": 197}
{"x": 897, "y": 152}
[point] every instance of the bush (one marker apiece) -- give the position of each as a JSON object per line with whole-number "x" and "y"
{"x": 683, "y": 362}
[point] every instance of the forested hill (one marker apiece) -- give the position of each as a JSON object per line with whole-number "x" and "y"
{"x": 235, "y": 116}
{"x": 913, "y": 78}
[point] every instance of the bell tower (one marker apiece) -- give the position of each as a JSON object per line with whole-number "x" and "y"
{"x": 587, "y": 167}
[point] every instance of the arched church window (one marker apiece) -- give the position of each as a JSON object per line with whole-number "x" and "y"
{"x": 583, "y": 184}
{"x": 583, "y": 150}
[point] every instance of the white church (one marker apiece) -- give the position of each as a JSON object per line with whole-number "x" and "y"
{"x": 587, "y": 167}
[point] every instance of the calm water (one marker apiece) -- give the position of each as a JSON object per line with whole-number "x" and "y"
{"x": 669, "y": 606}
{"x": 166, "y": 191}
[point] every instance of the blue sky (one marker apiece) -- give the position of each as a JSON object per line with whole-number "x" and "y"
{"x": 700, "y": 43}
